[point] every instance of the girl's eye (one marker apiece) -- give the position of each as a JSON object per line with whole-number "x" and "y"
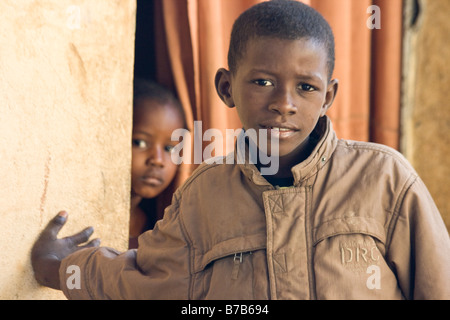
{"x": 306, "y": 87}
{"x": 169, "y": 148}
{"x": 139, "y": 143}
{"x": 263, "y": 83}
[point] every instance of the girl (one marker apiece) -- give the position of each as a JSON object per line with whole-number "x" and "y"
{"x": 157, "y": 113}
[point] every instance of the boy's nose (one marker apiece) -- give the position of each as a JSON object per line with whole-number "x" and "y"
{"x": 283, "y": 104}
{"x": 156, "y": 157}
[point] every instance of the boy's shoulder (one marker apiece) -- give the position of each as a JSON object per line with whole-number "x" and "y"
{"x": 213, "y": 169}
{"x": 374, "y": 153}
{"x": 363, "y": 145}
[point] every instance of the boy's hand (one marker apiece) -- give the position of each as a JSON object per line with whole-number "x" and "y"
{"x": 48, "y": 251}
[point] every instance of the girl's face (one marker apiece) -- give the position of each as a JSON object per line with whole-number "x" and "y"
{"x": 152, "y": 167}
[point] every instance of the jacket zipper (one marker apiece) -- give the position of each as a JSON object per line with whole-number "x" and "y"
{"x": 237, "y": 261}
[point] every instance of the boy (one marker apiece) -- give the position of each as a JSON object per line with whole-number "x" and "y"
{"x": 339, "y": 220}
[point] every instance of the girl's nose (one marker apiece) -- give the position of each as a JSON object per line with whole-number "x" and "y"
{"x": 156, "y": 156}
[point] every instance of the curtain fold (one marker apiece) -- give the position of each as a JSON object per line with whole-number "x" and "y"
{"x": 350, "y": 110}
{"x": 386, "y": 75}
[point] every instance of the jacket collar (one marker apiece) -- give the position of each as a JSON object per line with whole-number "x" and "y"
{"x": 326, "y": 139}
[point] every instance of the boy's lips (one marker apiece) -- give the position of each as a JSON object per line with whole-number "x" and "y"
{"x": 280, "y": 130}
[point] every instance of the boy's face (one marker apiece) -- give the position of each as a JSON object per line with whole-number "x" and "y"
{"x": 282, "y": 86}
{"x": 152, "y": 166}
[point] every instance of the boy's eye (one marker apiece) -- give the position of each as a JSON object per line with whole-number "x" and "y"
{"x": 306, "y": 87}
{"x": 263, "y": 83}
{"x": 139, "y": 143}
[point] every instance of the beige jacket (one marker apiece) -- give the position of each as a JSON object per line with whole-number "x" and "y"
{"x": 357, "y": 224}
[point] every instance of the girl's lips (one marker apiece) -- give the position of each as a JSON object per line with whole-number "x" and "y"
{"x": 152, "y": 181}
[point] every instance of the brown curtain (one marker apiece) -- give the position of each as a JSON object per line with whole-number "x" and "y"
{"x": 192, "y": 42}
{"x": 368, "y": 66}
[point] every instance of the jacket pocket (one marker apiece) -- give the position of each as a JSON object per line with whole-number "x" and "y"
{"x": 350, "y": 225}
{"x": 226, "y": 270}
{"x": 349, "y": 260}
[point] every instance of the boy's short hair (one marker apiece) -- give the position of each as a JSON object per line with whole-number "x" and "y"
{"x": 284, "y": 19}
{"x": 148, "y": 89}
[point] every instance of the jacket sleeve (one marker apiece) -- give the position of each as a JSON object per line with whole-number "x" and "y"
{"x": 158, "y": 269}
{"x": 419, "y": 250}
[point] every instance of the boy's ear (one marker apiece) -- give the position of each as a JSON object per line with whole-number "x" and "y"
{"x": 223, "y": 86}
{"x": 330, "y": 95}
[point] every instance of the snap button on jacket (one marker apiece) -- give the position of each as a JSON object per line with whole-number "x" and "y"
{"x": 358, "y": 223}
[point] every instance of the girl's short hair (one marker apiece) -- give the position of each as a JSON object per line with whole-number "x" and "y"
{"x": 148, "y": 89}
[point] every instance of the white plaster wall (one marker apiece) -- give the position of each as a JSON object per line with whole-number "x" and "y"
{"x": 66, "y": 71}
